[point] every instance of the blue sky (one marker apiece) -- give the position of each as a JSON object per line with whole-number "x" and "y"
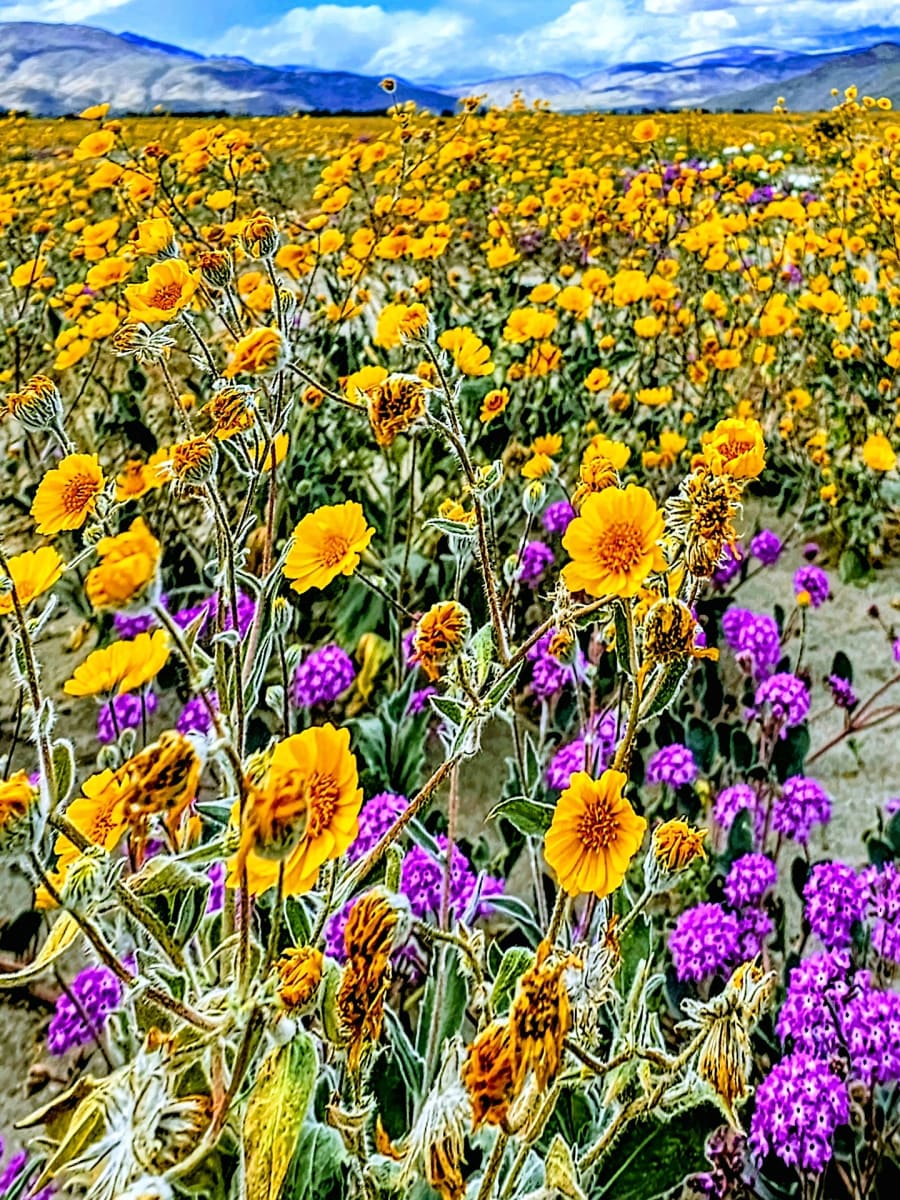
{"x": 471, "y": 40}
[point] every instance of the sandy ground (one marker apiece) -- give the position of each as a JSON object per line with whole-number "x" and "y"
{"x": 858, "y": 784}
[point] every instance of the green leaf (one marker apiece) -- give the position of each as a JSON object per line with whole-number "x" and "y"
{"x": 64, "y": 932}
{"x": 502, "y": 688}
{"x": 452, "y": 1000}
{"x": 482, "y": 646}
{"x": 319, "y": 1166}
{"x": 451, "y": 710}
{"x": 515, "y": 962}
{"x": 673, "y": 677}
{"x": 854, "y": 568}
{"x": 701, "y": 741}
{"x": 622, "y": 644}
{"x": 528, "y": 816}
{"x": 275, "y": 1115}
{"x": 63, "y": 769}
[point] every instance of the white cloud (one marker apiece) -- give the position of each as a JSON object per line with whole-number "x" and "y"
{"x": 69, "y": 11}
{"x": 453, "y": 41}
{"x": 361, "y": 38}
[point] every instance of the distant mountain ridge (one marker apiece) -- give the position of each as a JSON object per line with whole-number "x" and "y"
{"x": 735, "y": 77}
{"x": 56, "y": 69}
{"x": 52, "y": 70}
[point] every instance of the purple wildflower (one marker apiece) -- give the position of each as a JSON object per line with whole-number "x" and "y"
{"x": 787, "y": 697}
{"x": 750, "y": 877}
{"x": 834, "y": 901}
{"x": 705, "y": 942}
{"x": 674, "y": 765}
{"x": 96, "y": 993}
{"x": 323, "y": 676}
{"x": 798, "y": 1108}
{"x": 536, "y": 558}
{"x": 418, "y": 701}
{"x": 812, "y": 580}
{"x": 842, "y": 692}
{"x": 557, "y": 517}
{"x": 883, "y": 898}
{"x": 129, "y": 625}
{"x": 375, "y": 819}
{"x": 578, "y": 756}
{"x": 802, "y": 804}
{"x": 755, "y": 927}
{"x": 734, "y": 800}
{"x": 766, "y": 547}
{"x": 195, "y": 716}
{"x": 754, "y": 638}
{"x": 127, "y": 710}
{"x": 817, "y": 989}
{"x": 729, "y": 566}
{"x": 216, "y": 876}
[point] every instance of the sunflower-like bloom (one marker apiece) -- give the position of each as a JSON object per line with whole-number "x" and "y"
{"x": 259, "y": 352}
{"x": 17, "y": 797}
{"x": 736, "y": 448}
{"x": 399, "y": 321}
{"x": 878, "y": 453}
{"x": 488, "y": 1075}
{"x": 306, "y": 810}
{"x": 614, "y": 543}
{"x": 127, "y": 566}
{"x": 470, "y": 354}
{"x": 368, "y": 942}
{"x": 68, "y": 494}
{"x": 327, "y": 543}
{"x": 125, "y": 665}
{"x": 439, "y": 636}
{"x": 594, "y": 834}
{"x": 540, "y": 1018}
{"x": 32, "y": 573}
{"x": 300, "y": 972}
{"x": 138, "y": 477}
{"x": 394, "y": 406}
{"x": 156, "y": 237}
{"x": 169, "y": 289}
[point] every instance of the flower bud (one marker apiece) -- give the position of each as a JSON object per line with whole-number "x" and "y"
{"x": 534, "y": 496}
{"x": 194, "y": 461}
{"x": 216, "y": 268}
{"x": 259, "y": 235}
{"x": 38, "y": 406}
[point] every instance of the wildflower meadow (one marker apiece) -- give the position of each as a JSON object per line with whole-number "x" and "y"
{"x": 412, "y": 534}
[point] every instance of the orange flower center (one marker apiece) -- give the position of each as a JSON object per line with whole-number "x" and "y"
{"x": 323, "y": 797}
{"x": 79, "y": 493}
{"x": 599, "y": 826}
{"x": 620, "y": 548}
{"x": 334, "y": 547}
{"x": 732, "y": 450}
{"x": 167, "y": 296}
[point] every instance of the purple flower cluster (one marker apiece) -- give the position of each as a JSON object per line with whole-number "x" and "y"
{"x": 799, "y": 1106}
{"x": 817, "y": 989}
{"x": 537, "y": 557}
{"x": 803, "y": 803}
{"x": 729, "y": 566}
{"x": 129, "y": 625}
{"x": 705, "y": 942}
{"x": 754, "y": 638}
{"x": 557, "y": 517}
{"x": 246, "y": 611}
{"x": 842, "y": 692}
{"x": 375, "y": 819}
{"x": 577, "y": 755}
{"x": 812, "y": 580}
{"x": 834, "y": 901}
{"x": 883, "y": 901}
{"x": 787, "y": 698}
{"x": 766, "y": 547}
{"x": 750, "y": 878}
{"x": 81, "y": 1016}
{"x": 732, "y": 801}
{"x": 127, "y": 712}
{"x": 323, "y": 676}
{"x": 548, "y": 675}
{"x": 15, "y": 1175}
{"x": 674, "y": 765}
{"x": 195, "y": 716}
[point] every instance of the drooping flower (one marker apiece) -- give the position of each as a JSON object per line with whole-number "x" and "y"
{"x": 395, "y": 405}
{"x": 127, "y": 566}
{"x": 439, "y": 636}
{"x": 326, "y": 543}
{"x": 488, "y": 1075}
{"x": 614, "y": 543}
{"x": 32, "y": 573}
{"x": 300, "y": 972}
{"x": 594, "y": 834}
{"x": 124, "y": 665}
{"x": 540, "y": 1018}
{"x": 368, "y": 941}
{"x": 68, "y": 494}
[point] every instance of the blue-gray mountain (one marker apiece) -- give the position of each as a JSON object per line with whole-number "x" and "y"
{"x": 55, "y": 69}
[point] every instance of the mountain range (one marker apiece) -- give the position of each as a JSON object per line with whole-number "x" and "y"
{"x": 57, "y": 69}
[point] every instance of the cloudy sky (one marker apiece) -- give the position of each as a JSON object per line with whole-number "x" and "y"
{"x": 470, "y": 40}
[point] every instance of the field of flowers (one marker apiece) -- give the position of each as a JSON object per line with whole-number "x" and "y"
{"x": 345, "y": 462}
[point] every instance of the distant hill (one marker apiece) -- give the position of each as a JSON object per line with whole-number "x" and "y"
{"x": 57, "y": 69}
